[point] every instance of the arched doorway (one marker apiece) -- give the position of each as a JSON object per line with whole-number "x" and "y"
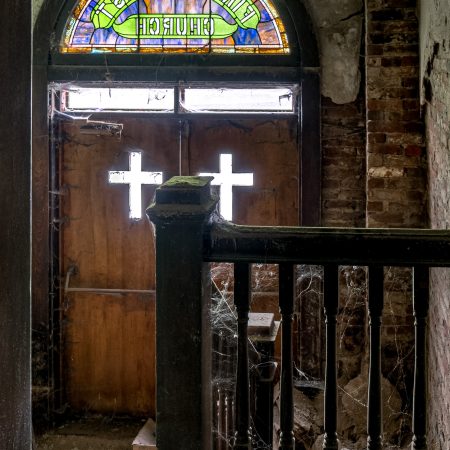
{"x": 101, "y": 307}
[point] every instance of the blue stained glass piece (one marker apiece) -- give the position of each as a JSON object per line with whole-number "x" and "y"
{"x": 265, "y": 16}
{"x": 125, "y": 41}
{"x": 142, "y": 7}
{"x": 83, "y": 33}
{"x": 198, "y": 42}
{"x": 173, "y": 42}
{"x": 151, "y": 42}
{"x": 86, "y": 16}
{"x": 102, "y": 36}
{"x": 246, "y": 37}
{"x": 217, "y": 9}
{"x": 132, "y": 9}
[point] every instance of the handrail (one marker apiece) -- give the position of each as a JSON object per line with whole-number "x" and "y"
{"x": 227, "y": 242}
{"x": 188, "y": 234}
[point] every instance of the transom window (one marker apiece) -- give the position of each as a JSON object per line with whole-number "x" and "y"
{"x": 197, "y": 99}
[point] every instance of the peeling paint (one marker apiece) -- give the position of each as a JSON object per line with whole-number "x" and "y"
{"x": 339, "y": 30}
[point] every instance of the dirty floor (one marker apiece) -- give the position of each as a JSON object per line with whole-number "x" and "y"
{"x": 94, "y": 433}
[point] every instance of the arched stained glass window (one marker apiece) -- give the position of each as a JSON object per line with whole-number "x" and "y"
{"x": 175, "y": 26}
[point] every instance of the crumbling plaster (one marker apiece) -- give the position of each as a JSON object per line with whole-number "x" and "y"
{"x": 434, "y": 19}
{"x": 338, "y": 26}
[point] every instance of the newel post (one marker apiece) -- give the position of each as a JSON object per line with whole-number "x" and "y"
{"x": 180, "y": 211}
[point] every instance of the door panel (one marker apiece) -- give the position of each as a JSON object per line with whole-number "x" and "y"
{"x": 109, "y": 340}
{"x": 265, "y": 147}
{"x": 110, "y": 353}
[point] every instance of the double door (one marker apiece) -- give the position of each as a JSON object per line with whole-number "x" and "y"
{"x": 107, "y": 253}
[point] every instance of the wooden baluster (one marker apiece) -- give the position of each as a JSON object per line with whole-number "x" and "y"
{"x": 331, "y": 298}
{"x": 217, "y": 404}
{"x": 375, "y": 412}
{"x": 242, "y": 399}
{"x": 286, "y": 290}
{"x": 420, "y": 304}
{"x": 230, "y": 419}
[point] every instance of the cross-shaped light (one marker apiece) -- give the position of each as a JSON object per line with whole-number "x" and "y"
{"x": 135, "y": 177}
{"x": 226, "y": 179}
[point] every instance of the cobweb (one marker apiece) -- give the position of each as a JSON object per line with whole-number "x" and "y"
{"x": 308, "y": 370}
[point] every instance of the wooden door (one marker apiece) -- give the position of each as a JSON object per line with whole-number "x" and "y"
{"x": 108, "y": 336}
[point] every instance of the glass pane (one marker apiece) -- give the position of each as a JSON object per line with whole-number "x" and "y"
{"x": 165, "y": 26}
{"x": 118, "y": 99}
{"x": 239, "y": 100}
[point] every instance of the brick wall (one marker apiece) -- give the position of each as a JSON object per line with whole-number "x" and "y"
{"x": 374, "y": 174}
{"x": 343, "y": 163}
{"x": 435, "y": 22}
{"x": 395, "y": 145}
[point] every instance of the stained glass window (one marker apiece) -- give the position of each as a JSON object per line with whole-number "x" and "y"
{"x": 175, "y": 26}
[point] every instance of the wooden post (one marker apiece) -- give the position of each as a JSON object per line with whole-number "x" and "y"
{"x": 15, "y": 166}
{"x": 180, "y": 211}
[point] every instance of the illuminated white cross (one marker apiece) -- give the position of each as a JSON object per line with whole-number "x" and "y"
{"x": 135, "y": 178}
{"x": 226, "y": 179}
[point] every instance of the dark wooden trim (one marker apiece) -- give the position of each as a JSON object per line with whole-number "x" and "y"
{"x": 69, "y": 73}
{"x": 40, "y": 183}
{"x": 307, "y": 42}
{"x": 15, "y": 207}
{"x": 227, "y": 242}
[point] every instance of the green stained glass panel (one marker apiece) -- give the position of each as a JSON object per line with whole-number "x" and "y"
{"x": 174, "y": 26}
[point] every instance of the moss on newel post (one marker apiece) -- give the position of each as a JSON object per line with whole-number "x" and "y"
{"x": 181, "y": 209}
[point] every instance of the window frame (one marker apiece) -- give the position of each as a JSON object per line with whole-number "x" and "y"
{"x": 178, "y": 112}
{"x": 176, "y": 66}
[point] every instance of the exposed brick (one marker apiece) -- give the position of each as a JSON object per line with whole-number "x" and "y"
{"x": 387, "y": 14}
{"x": 411, "y": 104}
{"x": 391, "y": 104}
{"x": 375, "y": 206}
{"x": 380, "y": 91}
{"x": 414, "y": 150}
{"x": 387, "y": 127}
{"x": 394, "y": 125}
{"x": 381, "y": 49}
{"x": 376, "y": 138}
{"x": 387, "y": 149}
{"x": 392, "y": 38}
{"x": 376, "y": 183}
{"x": 343, "y": 163}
